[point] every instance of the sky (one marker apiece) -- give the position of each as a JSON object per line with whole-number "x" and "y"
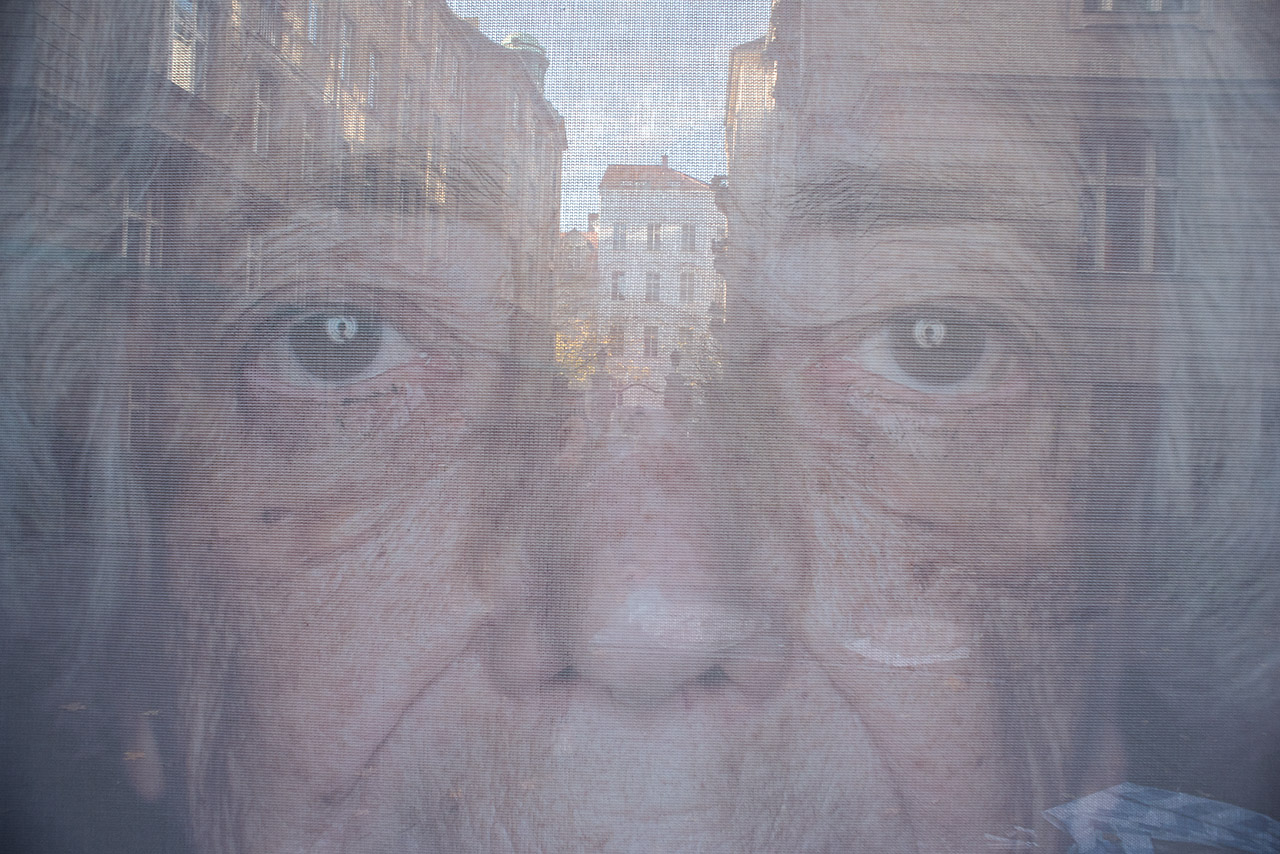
{"x": 634, "y": 80}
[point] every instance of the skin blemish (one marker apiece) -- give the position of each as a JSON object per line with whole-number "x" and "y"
{"x": 924, "y": 574}
{"x": 272, "y": 515}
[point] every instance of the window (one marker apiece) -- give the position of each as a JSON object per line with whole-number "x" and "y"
{"x": 653, "y": 287}
{"x": 252, "y": 260}
{"x": 261, "y": 117}
{"x": 433, "y": 53}
{"x": 719, "y": 296}
{"x": 410, "y": 107}
{"x": 344, "y": 52}
{"x": 413, "y": 19}
{"x": 616, "y": 340}
{"x": 371, "y": 92}
{"x": 1128, "y": 207}
{"x": 437, "y": 136}
{"x": 616, "y": 288}
{"x": 620, "y": 236}
{"x": 655, "y": 236}
{"x": 1146, "y": 6}
{"x": 313, "y": 21}
{"x": 140, "y": 228}
{"x": 309, "y": 149}
{"x": 449, "y": 75}
{"x": 687, "y": 280}
{"x": 270, "y": 22}
{"x": 689, "y": 237}
{"x": 189, "y": 44}
{"x": 651, "y": 342}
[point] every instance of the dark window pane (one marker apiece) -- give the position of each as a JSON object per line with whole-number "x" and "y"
{"x": 1124, "y": 229}
{"x": 1165, "y": 237}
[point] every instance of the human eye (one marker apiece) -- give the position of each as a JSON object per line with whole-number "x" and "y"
{"x": 933, "y": 351}
{"x": 360, "y": 369}
{"x": 331, "y": 347}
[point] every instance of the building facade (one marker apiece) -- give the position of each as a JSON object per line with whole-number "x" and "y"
{"x": 1109, "y": 167}
{"x": 659, "y": 290}
{"x": 398, "y": 104}
{"x": 1139, "y": 94}
{"x": 1160, "y": 117}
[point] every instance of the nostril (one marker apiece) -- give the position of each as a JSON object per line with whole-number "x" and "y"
{"x": 713, "y": 678}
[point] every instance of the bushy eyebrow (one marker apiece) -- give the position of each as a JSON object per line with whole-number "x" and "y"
{"x": 470, "y": 184}
{"x": 848, "y": 196}
{"x": 852, "y": 198}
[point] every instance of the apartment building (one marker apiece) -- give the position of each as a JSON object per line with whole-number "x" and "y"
{"x": 399, "y": 101}
{"x": 1132, "y": 144}
{"x": 1152, "y": 107}
{"x": 659, "y": 289}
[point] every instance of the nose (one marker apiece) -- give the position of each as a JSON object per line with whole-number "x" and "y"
{"x": 658, "y": 589}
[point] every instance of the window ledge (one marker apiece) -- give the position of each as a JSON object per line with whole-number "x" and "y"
{"x": 1083, "y": 17}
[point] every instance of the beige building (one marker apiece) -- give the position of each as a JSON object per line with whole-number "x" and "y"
{"x": 659, "y": 291}
{"x": 1122, "y": 158}
{"x": 1143, "y": 95}
{"x": 758, "y": 138}
{"x": 398, "y": 104}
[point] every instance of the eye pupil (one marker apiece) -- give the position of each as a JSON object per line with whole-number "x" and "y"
{"x": 335, "y": 345}
{"x": 930, "y": 333}
{"x": 937, "y": 351}
{"x": 342, "y": 328}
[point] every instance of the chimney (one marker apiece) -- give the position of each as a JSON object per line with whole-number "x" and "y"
{"x": 531, "y": 54}
{"x": 664, "y": 161}
{"x": 592, "y": 219}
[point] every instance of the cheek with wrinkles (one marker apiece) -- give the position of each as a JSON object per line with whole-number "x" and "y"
{"x": 283, "y": 449}
{"x": 417, "y": 399}
{"x": 337, "y": 622}
{"x": 898, "y": 616}
{"x": 981, "y": 468}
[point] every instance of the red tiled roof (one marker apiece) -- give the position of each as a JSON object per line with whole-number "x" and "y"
{"x": 655, "y": 176}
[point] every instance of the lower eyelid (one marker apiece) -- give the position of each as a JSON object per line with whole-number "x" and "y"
{"x": 291, "y": 419}
{"x": 413, "y": 369}
{"x": 837, "y": 377}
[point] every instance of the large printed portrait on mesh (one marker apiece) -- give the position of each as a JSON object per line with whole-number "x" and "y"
{"x": 910, "y": 487}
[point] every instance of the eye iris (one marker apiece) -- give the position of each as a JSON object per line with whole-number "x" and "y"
{"x": 937, "y": 351}
{"x": 335, "y": 345}
{"x": 342, "y": 328}
{"x": 929, "y": 333}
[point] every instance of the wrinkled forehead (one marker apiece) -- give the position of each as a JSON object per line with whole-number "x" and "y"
{"x": 909, "y": 159}
{"x": 912, "y": 153}
{"x": 911, "y": 188}
{"x": 376, "y": 232}
{"x": 918, "y": 105}
{"x": 960, "y": 132}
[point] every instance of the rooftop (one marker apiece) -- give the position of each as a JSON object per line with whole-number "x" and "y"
{"x": 657, "y": 177}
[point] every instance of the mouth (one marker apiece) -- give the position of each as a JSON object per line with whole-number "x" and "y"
{"x": 572, "y": 770}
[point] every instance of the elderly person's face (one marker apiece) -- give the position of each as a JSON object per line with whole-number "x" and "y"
{"x": 410, "y": 623}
